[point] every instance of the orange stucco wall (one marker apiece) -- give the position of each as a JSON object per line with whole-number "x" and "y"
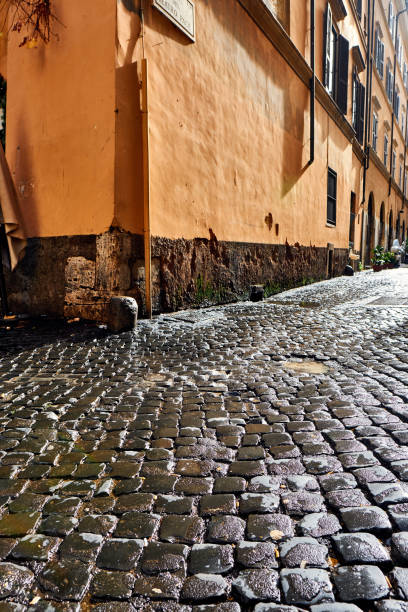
{"x": 228, "y": 119}
{"x": 61, "y": 122}
{"x": 229, "y": 137}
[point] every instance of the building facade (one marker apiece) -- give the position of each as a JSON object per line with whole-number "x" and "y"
{"x": 179, "y": 152}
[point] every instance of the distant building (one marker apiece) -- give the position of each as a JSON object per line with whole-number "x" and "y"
{"x": 180, "y": 151}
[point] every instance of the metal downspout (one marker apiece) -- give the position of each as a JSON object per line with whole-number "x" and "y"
{"x": 405, "y": 155}
{"x": 146, "y": 192}
{"x": 369, "y": 81}
{"x": 312, "y": 82}
{"x": 144, "y": 107}
{"x": 398, "y": 15}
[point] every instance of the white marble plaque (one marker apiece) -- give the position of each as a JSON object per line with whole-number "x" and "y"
{"x": 180, "y": 12}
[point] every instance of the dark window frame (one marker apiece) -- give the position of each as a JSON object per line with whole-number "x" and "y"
{"x": 379, "y": 53}
{"x": 386, "y": 143}
{"x": 336, "y": 51}
{"x": 331, "y": 197}
{"x": 388, "y": 82}
{"x": 374, "y": 136}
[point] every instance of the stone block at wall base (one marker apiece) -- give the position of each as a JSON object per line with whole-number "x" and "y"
{"x": 122, "y": 314}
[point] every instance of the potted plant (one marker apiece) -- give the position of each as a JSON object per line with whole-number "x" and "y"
{"x": 378, "y": 259}
{"x": 390, "y": 260}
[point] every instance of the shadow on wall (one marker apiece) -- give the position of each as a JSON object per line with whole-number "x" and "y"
{"x": 133, "y": 33}
{"x": 128, "y": 132}
{"x": 233, "y": 19}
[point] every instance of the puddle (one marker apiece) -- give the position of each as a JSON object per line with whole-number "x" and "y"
{"x": 389, "y": 301}
{"x": 309, "y": 367}
{"x": 156, "y": 377}
{"x": 301, "y": 304}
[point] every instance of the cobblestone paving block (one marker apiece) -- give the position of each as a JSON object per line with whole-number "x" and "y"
{"x": 399, "y": 546}
{"x": 257, "y": 585}
{"x": 14, "y": 579}
{"x": 399, "y": 514}
{"x": 226, "y": 529}
{"x": 399, "y": 576}
{"x": 120, "y": 554}
{"x": 303, "y": 552}
{"x": 211, "y": 559}
{"x": 164, "y": 557}
{"x": 65, "y": 580}
{"x": 360, "y": 548}
{"x": 204, "y": 586}
{"x": 257, "y": 555}
{"x": 361, "y": 582}
{"x": 335, "y": 607}
{"x": 269, "y": 527}
{"x": 270, "y": 607}
{"x": 306, "y": 586}
{"x": 35, "y": 548}
{"x": 318, "y": 524}
{"x": 166, "y": 586}
{"x": 370, "y": 519}
{"x": 391, "y": 605}
{"x": 118, "y": 585}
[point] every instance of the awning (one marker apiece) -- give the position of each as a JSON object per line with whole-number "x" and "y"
{"x": 10, "y": 212}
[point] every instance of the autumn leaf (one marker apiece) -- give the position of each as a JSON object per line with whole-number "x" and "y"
{"x": 276, "y": 534}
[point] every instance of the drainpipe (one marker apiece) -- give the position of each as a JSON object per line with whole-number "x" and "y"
{"x": 369, "y": 82}
{"x": 3, "y": 291}
{"x": 398, "y": 15}
{"x": 146, "y": 192}
{"x": 405, "y": 155}
{"x": 312, "y": 82}
{"x": 146, "y": 173}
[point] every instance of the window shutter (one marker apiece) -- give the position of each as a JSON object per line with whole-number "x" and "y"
{"x": 376, "y": 48}
{"x": 358, "y": 8}
{"x": 381, "y": 67}
{"x": 342, "y": 73}
{"x": 360, "y": 115}
{"x": 391, "y": 18}
{"x": 327, "y": 60}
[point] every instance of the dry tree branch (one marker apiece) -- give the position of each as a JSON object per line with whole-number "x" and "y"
{"x": 32, "y": 16}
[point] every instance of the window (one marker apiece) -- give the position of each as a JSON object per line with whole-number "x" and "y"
{"x": 405, "y": 76}
{"x": 379, "y": 53}
{"x": 358, "y": 103}
{"x": 375, "y": 132}
{"x": 336, "y": 58}
{"x": 385, "y": 150}
{"x": 402, "y": 121}
{"x": 352, "y": 220}
{"x": 394, "y": 163}
{"x": 396, "y": 105}
{"x": 398, "y": 50}
{"x": 331, "y": 196}
{"x": 391, "y": 18}
{"x": 388, "y": 82}
{"x": 400, "y": 176}
{"x": 358, "y": 4}
{"x": 405, "y": 182}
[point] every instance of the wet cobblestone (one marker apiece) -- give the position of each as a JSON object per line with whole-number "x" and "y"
{"x": 251, "y": 457}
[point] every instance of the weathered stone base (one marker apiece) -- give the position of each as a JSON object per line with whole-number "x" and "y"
{"x": 75, "y": 276}
{"x": 200, "y": 272}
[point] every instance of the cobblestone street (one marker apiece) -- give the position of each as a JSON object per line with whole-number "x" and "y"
{"x": 245, "y": 457}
